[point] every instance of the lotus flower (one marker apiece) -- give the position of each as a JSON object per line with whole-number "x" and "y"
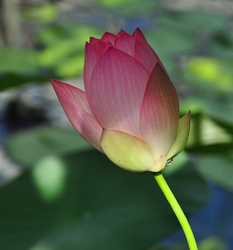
{"x": 130, "y": 109}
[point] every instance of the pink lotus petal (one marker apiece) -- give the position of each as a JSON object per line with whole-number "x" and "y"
{"x": 99, "y": 46}
{"x": 75, "y": 95}
{"x": 116, "y": 91}
{"x": 144, "y": 53}
{"x": 126, "y": 151}
{"x": 92, "y": 54}
{"x": 145, "y": 56}
{"x": 91, "y": 58}
{"x": 159, "y": 114}
{"x": 159, "y": 165}
{"x": 138, "y": 35}
{"x": 120, "y": 33}
{"x": 78, "y": 112}
{"x": 108, "y": 37}
{"x": 125, "y": 43}
{"x": 94, "y": 41}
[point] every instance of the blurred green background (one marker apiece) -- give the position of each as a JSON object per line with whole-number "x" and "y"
{"x": 57, "y": 192}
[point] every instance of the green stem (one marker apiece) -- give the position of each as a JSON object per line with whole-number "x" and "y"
{"x": 177, "y": 210}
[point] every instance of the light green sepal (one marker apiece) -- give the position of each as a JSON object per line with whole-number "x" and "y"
{"x": 159, "y": 165}
{"x": 126, "y": 151}
{"x": 181, "y": 138}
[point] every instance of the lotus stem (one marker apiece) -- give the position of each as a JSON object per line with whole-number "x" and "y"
{"x": 177, "y": 210}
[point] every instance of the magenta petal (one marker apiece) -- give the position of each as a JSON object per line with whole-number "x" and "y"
{"x": 75, "y": 95}
{"x": 92, "y": 54}
{"x": 121, "y": 33}
{"x": 116, "y": 91}
{"x": 108, "y": 37}
{"x": 94, "y": 41}
{"x": 91, "y": 58}
{"x": 144, "y": 53}
{"x": 101, "y": 47}
{"x": 76, "y": 107}
{"x": 159, "y": 114}
{"x": 126, "y": 44}
{"x": 138, "y": 35}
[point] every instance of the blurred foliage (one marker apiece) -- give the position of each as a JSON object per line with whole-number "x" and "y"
{"x": 18, "y": 60}
{"x": 64, "y": 49}
{"x": 81, "y": 200}
{"x": 131, "y": 7}
{"x": 214, "y": 73}
{"x": 217, "y": 168}
{"x": 212, "y": 243}
{"x": 210, "y": 135}
{"x": 17, "y": 67}
{"x": 181, "y": 33}
{"x": 43, "y": 13}
{"x": 62, "y": 56}
{"x": 42, "y": 142}
{"x": 49, "y": 175}
{"x": 11, "y": 79}
{"x": 71, "y": 197}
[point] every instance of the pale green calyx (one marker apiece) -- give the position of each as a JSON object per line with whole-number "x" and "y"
{"x": 126, "y": 151}
{"x": 181, "y": 138}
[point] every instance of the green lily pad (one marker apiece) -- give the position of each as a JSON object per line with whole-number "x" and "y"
{"x": 28, "y": 147}
{"x": 98, "y": 206}
{"x": 217, "y": 168}
{"x": 18, "y": 60}
{"x": 10, "y": 79}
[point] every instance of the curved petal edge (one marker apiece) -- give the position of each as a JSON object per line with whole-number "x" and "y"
{"x": 159, "y": 114}
{"x": 83, "y": 122}
{"x": 181, "y": 138}
{"x": 126, "y": 151}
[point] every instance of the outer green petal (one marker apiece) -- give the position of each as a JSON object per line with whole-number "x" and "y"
{"x": 181, "y": 138}
{"x": 126, "y": 151}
